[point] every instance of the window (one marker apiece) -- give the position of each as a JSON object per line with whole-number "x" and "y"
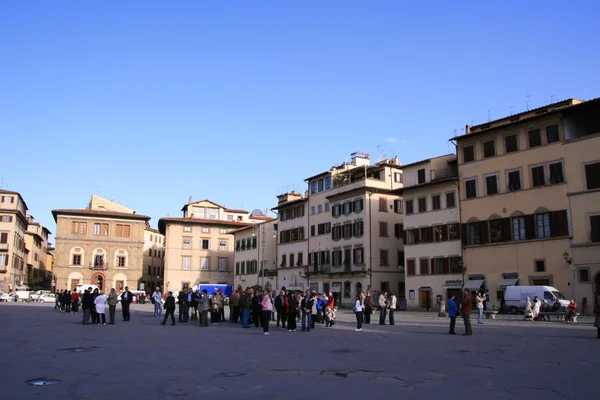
{"x": 439, "y": 266}
{"x": 556, "y": 172}
{"x": 96, "y": 229}
{"x": 8, "y": 218}
{"x": 186, "y": 263}
{"x": 398, "y": 177}
{"x": 121, "y": 261}
{"x": 326, "y": 207}
{"x": 426, "y": 234}
{"x": 383, "y": 258}
{"x": 254, "y": 242}
{"x": 424, "y": 266}
{"x": 383, "y": 204}
{"x": 312, "y": 210}
{"x": 440, "y": 233}
{"x": 552, "y": 134}
{"x": 312, "y": 230}
{"x": 421, "y": 176}
{"x": 347, "y": 208}
{"x": 204, "y": 263}
{"x": 319, "y": 209}
{"x": 584, "y": 274}
{"x": 474, "y": 232}
{"x": 205, "y": 244}
{"x": 491, "y": 184}
{"x": 518, "y": 228}
{"x": 77, "y": 228}
{"x": 539, "y": 266}
{"x": 398, "y": 231}
{"x": 453, "y": 231}
{"x": 510, "y": 143}
{"x": 283, "y": 260}
{"x": 410, "y": 267}
{"x": 76, "y": 259}
{"x": 243, "y": 268}
{"x": 489, "y": 149}
{"x": 205, "y": 230}
{"x": 514, "y": 181}
{"x": 320, "y": 185}
{"x": 499, "y": 230}
{"x": 359, "y": 256}
{"x": 358, "y": 229}
{"x": 468, "y": 154}
{"x": 592, "y": 176}
{"x": 450, "y": 200}
{"x": 422, "y": 204}
{"x": 347, "y": 230}
{"x": 455, "y": 265}
{"x": 187, "y": 228}
{"x": 328, "y": 183}
{"x": 409, "y": 207}
{"x": 237, "y": 268}
{"x": 436, "y": 202}
{"x": 538, "y": 176}
{"x": 412, "y": 236}
{"x": 471, "y": 188}
{"x": 595, "y": 228}
{"x": 543, "y": 225}
{"x": 222, "y": 264}
{"x": 398, "y": 206}
{"x": 123, "y": 230}
{"x": 313, "y": 187}
{"x": 187, "y": 243}
{"x": 535, "y": 138}
{"x": 4, "y": 237}
{"x": 8, "y": 199}
{"x": 383, "y": 229}
{"x": 300, "y": 259}
{"x": 4, "y": 260}
{"x": 223, "y": 245}
{"x": 291, "y": 259}
{"x": 223, "y": 230}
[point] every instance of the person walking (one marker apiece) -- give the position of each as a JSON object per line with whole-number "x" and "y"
{"x": 234, "y": 301}
{"x": 480, "y": 299}
{"x": 100, "y": 303}
{"x": 74, "y": 301}
{"x": 157, "y": 301}
{"x": 358, "y": 311}
{"x": 67, "y": 301}
{"x": 112, "y": 300}
{"x": 245, "y": 304}
{"x": 368, "y": 308}
{"x": 203, "y": 306}
{"x": 392, "y": 302}
{"x": 57, "y": 298}
{"x": 87, "y": 302}
{"x": 169, "y": 309}
{"x": 452, "y": 313}
{"x": 466, "y": 304}
{"x": 266, "y": 310}
{"x": 126, "y": 299}
{"x": 382, "y": 307}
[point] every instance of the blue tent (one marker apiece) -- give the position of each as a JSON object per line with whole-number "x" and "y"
{"x": 227, "y": 289}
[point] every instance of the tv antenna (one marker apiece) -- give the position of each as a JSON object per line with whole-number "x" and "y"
{"x": 552, "y": 98}
{"x": 489, "y": 115}
{"x": 527, "y": 97}
{"x": 510, "y": 110}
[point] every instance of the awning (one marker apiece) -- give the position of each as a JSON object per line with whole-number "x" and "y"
{"x": 474, "y": 284}
{"x": 453, "y": 286}
{"x": 508, "y": 282}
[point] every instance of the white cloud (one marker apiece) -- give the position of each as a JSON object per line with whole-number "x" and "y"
{"x": 391, "y": 139}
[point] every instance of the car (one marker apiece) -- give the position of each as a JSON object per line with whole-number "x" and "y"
{"x": 36, "y": 295}
{"x": 5, "y": 297}
{"x": 47, "y": 298}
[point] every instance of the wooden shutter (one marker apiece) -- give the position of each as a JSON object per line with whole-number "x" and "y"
{"x": 485, "y": 232}
{"x": 530, "y": 227}
{"x": 433, "y": 266}
{"x": 506, "y": 229}
{"x": 464, "y": 230}
{"x": 446, "y": 263}
{"x": 559, "y": 223}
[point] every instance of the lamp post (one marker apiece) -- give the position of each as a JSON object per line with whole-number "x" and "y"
{"x": 568, "y": 260}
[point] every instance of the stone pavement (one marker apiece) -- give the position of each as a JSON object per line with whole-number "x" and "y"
{"x": 416, "y": 358}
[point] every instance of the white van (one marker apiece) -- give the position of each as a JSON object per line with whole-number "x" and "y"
{"x": 82, "y": 288}
{"x": 515, "y": 297}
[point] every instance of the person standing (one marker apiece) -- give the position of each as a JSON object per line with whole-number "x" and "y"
{"x": 480, "y": 299}
{"x": 221, "y": 305}
{"x": 203, "y": 306}
{"x": 537, "y": 304}
{"x": 281, "y": 310}
{"x": 358, "y": 310}
{"x": 368, "y": 308}
{"x": 112, "y": 300}
{"x": 255, "y": 304}
{"x": 157, "y": 300}
{"x": 100, "y": 302}
{"x": 169, "y": 309}
{"x": 452, "y": 313}
{"x": 74, "y": 301}
{"x": 266, "y": 310}
{"x": 306, "y": 304}
{"x": 392, "y": 307}
{"x": 234, "y": 301}
{"x": 95, "y": 316}
{"x": 244, "y": 304}
{"x": 87, "y": 302}
{"x": 126, "y": 299}
{"x": 182, "y": 298}
{"x": 291, "y": 310}
{"x": 382, "y": 307}
{"x": 67, "y": 301}
{"x": 466, "y": 304}
{"x": 57, "y": 298}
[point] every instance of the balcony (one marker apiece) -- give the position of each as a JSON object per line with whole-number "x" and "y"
{"x": 318, "y": 269}
{"x": 348, "y": 268}
{"x": 3, "y": 246}
{"x": 266, "y": 273}
{"x": 436, "y": 174}
{"x": 98, "y": 267}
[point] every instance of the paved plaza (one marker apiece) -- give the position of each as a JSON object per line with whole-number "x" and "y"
{"x": 141, "y": 359}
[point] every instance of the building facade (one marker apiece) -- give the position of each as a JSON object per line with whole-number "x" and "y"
{"x": 13, "y": 252}
{"x": 199, "y": 247}
{"x": 154, "y": 253}
{"x": 254, "y": 257}
{"x": 432, "y": 245}
{"x": 36, "y": 242}
{"x": 292, "y": 241}
{"x": 352, "y": 211}
{"x": 98, "y": 245}
{"x": 515, "y": 212}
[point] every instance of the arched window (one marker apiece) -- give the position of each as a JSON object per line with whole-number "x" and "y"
{"x": 99, "y": 261}
{"x": 76, "y": 256}
{"x": 121, "y": 258}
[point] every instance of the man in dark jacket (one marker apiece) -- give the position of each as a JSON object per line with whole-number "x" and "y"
{"x": 87, "y": 302}
{"x": 465, "y": 311}
{"x": 245, "y": 302}
{"x": 126, "y": 299}
{"x": 280, "y": 308}
{"x": 169, "y": 309}
{"x": 182, "y": 299}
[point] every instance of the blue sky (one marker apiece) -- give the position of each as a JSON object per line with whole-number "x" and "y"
{"x": 149, "y": 102}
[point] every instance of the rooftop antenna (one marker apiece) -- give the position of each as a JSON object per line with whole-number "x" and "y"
{"x": 510, "y": 109}
{"x": 489, "y": 115}
{"x": 552, "y": 98}
{"x": 527, "y": 100}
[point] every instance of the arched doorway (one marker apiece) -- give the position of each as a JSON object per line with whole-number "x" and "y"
{"x": 98, "y": 279}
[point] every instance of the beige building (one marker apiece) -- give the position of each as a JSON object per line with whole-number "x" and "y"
{"x": 102, "y": 244}
{"x": 36, "y": 242}
{"x": 352, "y": 214}
{"x": 254, "y": 257}
{"x": 154, "y": 253}
{"x": 514, "y": 204}
{"x": 199, "y": 246}
{"x": 13, "y": 253}
{"x": 292, "y": 241}
{"x": 431, "y": 231}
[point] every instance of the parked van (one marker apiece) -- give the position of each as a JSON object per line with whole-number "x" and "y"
{"x": 515, "y": 297}
{"x": 81, "y": 288}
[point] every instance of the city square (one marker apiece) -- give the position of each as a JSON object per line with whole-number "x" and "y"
{"x": 506, "y": 358}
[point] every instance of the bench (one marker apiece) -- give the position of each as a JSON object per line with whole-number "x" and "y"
{"x": 489, "y": 314}
{"x": 560, "y": 315}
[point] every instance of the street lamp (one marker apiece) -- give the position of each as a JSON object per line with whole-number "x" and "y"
{"x": 567, "y": 257}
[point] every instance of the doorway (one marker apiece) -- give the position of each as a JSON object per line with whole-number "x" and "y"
{"x": 74, "y": 283}
{"x": 425, "y": 298}
{"x": 98, "y": 279}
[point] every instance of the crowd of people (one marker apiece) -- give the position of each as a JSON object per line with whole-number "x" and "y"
{"x": 93, "y": 304}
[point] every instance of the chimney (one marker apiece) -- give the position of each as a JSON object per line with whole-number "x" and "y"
{"x": 190, "y": 201}
{"x": 467, "y": 129}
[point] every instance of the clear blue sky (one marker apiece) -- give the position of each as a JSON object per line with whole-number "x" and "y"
{"x": 149, "y": 102}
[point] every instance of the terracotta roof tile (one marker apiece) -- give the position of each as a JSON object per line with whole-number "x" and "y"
{"x": 87, "y": 211}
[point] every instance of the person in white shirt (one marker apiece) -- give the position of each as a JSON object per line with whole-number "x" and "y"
{"x": 392, "y": 302}
{"x": 480, "y": 298}
{"x": 157, "y": 300}
{"x": 100, "y": 302}
{"x": 358, "y": 310}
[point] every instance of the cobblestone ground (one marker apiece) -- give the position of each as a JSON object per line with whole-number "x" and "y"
{"x": 140, "y": 359}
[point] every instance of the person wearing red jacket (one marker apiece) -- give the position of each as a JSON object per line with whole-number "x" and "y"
{"x": 74, "y": 301}
{"x": 465, "y": 311}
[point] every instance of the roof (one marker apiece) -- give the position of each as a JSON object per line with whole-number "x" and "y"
{"x": 2, "y": 191}
{"x": 99, "y": 213}
{"x": 362, "y": 188}
{"x": 289, "y": 203}
{"x": 162, "y": 223}
{"x": 231, "y": 210}
{"x": 426, "y": 160}
{"x": 34, "y": 234}
{"x": 252, "y": 226}
{"x": 260, "y": 217}
{"x": 422, "y": 185}
{"x": 43, "y": 227}
{"x": 540, "y": 112}
{"x": 150, "y": 229}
